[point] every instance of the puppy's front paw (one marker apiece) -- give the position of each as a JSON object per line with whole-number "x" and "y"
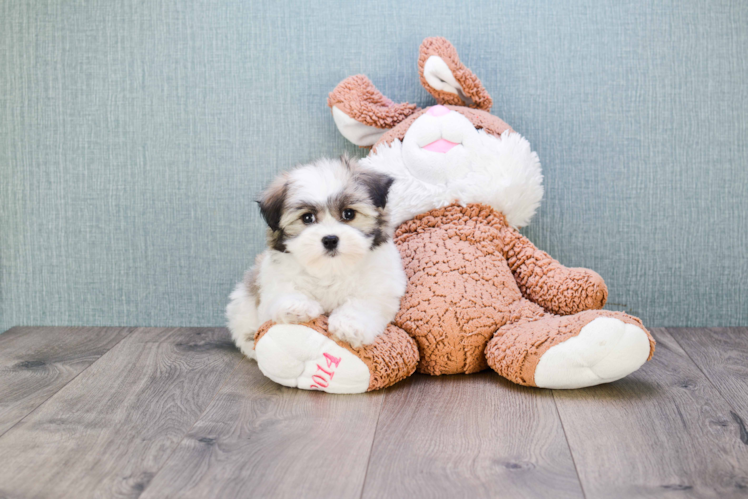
{"x": 351, "y": 329}
{"x": 297, "y": 311}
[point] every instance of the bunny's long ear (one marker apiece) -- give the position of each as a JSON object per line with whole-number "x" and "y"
{"x": 447, "y": 79}
{"x": 362, "y": 113}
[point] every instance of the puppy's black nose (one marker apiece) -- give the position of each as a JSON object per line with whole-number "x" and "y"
{"x": 330, "y": 241}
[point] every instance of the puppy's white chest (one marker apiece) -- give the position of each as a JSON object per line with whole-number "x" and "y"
{"x": 332, "y": 292}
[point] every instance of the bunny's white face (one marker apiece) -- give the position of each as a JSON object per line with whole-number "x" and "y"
{"x": 444, "y": 159}
{"x": 438, "y": 146}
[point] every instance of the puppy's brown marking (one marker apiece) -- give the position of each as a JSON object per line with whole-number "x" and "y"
{"x": 272, "y": 203}
{"x": 252, "y": 279}
{"x": 378, "y": 186}
{"x": 272, "y": 200}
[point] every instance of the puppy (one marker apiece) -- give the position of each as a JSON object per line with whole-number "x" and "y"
{"x": 329, "y": 252}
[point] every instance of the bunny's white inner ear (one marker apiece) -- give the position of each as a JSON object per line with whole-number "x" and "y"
{"x": 355, "y": 131}
{"x": 440, "y": 77}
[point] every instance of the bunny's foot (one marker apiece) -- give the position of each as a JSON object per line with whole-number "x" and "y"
{"x": 570, "y": 352}
{"x": 307, "y": 357}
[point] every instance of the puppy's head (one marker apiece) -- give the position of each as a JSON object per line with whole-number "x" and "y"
{"x": 327, "y": 214}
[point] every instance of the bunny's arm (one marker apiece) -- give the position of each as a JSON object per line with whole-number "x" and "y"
{"x": 543, "y": 280}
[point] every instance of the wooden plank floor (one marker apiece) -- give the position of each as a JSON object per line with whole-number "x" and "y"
{"x": 178, "y": 412}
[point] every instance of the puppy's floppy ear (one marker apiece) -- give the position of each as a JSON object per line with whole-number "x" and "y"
{"x": 271, "y": 202}
{"x": 447, "y": 79}
{"x": 377, "y": 185}
{"x": 362, "y": 113}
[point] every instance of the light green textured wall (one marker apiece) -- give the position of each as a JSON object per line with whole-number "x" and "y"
{"x": 135, "y": 135}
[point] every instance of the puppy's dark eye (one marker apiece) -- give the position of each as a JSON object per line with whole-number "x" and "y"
{"x": 308, "y": 218}
{"x": 349, "y": 214}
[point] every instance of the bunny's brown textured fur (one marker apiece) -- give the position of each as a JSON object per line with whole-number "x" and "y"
{"x": 472, "y": 278}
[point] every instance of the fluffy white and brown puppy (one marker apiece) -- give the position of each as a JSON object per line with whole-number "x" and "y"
{"x": 329, "y": 252}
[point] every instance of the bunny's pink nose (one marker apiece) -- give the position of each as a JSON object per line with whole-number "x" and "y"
{"x": 438, "y": 110}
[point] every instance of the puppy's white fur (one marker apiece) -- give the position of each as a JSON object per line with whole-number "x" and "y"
{"x": 359, "y": 284}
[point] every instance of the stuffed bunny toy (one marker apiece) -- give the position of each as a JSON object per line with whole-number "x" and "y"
{"x": 479, "y": 293}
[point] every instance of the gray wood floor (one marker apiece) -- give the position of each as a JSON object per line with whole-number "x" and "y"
{"x": 177, "y": 412}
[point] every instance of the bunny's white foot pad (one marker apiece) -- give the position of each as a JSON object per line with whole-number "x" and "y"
{"x": 606, "y": 349}
{"x": 298, "y": 356}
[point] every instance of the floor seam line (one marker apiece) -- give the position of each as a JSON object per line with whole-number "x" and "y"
{"x": 371, "y": 448}
{"x": 132, "y": 329}
{"x": 568, "y": 444}
{"x": 706, "y": 375}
